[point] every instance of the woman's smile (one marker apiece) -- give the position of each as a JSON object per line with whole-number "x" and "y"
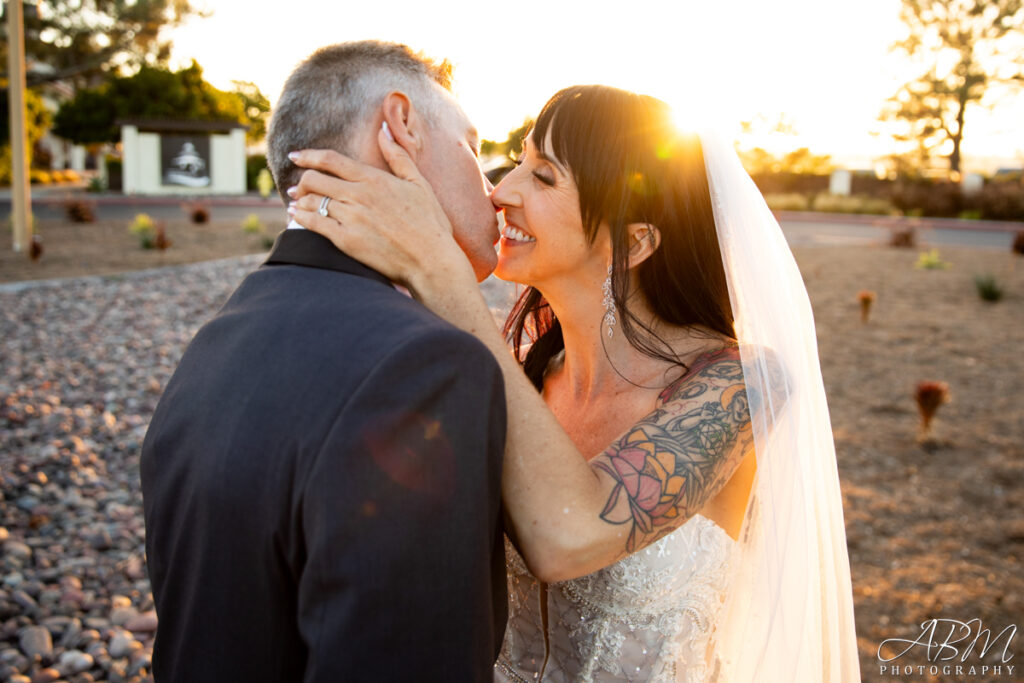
{"x": 514, "y": 236}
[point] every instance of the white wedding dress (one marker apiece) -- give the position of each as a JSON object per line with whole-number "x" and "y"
{"x": 648, "y": 617}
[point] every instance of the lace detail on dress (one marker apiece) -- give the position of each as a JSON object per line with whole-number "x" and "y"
{"x": 648, "y": 617}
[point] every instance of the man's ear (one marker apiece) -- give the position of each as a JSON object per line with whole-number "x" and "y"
{"x": 404, "y": 121}
{"x": 644, "y": 240}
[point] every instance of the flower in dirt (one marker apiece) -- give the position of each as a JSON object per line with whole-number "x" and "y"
{"x": 866, "y": 298}
{"x": 930, "y": 395}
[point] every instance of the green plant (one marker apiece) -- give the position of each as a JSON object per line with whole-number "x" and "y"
{"x": 266, "y": 241}
{"x": 265, "y": 182}
{"x": 789, "y": 201}
{"x": 988, "y": 288}
{"x": 857, "y": 204}
{"x": 95, "y": 185}
{"x": 142, "y": 226}
{"x": 252, "y": 224}
{"x": 970, "y": 214}
{"x": 930, "y": 260}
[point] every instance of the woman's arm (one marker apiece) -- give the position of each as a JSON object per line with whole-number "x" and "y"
{"x": 570, "y": 517}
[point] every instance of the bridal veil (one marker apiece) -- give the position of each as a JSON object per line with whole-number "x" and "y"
{"x": 789, "y": 611}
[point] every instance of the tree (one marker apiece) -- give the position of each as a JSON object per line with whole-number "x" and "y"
{"x": 153, "y": 93}
{"x": 37, "y": 121}
{"x": 255, "y": 109}
{"x": 972, "y": 51}
{"x": 82, "y": 40}
{"x": 512, "y": 145}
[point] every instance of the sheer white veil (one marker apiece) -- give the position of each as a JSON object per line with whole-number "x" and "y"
{"x": 789, "y": 611}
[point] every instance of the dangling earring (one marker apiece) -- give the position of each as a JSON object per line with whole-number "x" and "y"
{"x": 609, "y": 304}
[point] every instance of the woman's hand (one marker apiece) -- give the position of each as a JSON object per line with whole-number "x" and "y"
{"x": 392, "y": 223}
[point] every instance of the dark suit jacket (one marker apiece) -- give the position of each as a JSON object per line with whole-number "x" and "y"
{"x": 321, "y": 484}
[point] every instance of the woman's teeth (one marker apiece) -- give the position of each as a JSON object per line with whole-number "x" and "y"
{"x": 509, "y": 232}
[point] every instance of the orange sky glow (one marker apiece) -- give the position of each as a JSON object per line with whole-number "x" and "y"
{"x": 822, "y": 67}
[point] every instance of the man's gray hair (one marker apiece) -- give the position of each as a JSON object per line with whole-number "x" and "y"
{"x": 331, "y": 93}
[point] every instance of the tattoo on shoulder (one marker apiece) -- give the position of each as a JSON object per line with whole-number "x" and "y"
{"x": 674, "y": 460}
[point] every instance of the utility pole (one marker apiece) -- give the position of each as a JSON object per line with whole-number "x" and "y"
{"x": 21, "y": 198}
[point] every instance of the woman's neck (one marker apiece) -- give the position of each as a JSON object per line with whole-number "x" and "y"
{"x": 596, "y": 365}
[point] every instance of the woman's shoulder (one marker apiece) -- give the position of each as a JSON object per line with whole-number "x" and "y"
{"x": 721, "y": 363}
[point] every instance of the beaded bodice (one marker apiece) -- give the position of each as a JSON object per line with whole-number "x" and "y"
{"x": 648, "y": 617}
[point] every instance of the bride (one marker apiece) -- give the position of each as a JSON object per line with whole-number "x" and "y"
{"x": 670, "y": 481}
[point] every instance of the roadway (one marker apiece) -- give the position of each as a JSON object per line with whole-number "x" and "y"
{"x": 800, "y": 228}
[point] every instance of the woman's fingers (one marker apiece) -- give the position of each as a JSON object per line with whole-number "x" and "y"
{"x": 317, "y": 183}
{"x": 399, "y": 161}
{"x": 335, "y": 163}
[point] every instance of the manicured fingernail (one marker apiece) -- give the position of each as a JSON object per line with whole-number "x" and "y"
{"x": 291, "y": 209}
{"x": 387, "y": 131}
{"x": 293, "y": 155}
{"x": 292, "y": 191}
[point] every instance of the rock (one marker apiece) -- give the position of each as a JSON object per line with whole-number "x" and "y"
{"x": 46, "y": 676}
{"x": 122, "y": 645}
{"x": 74, "y": 661}
{"x": 24, "y": 600}
{"x": 142, "y": 623}
{"x": 19, "y": 678}
{"x": 120, "y": 601}
{"x": 83, "y": 677}
{"x": 4, "y": 534}
{"x": 17, "y": 550}
{"x": 36, "y": 640}
{"x": 122, "y": 615}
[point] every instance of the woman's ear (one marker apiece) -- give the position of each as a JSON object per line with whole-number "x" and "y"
{"x": 644, "y": 240}
{"x": 404, "y": 122}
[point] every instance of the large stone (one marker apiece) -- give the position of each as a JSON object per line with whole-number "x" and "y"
{"x": 122, "y": 615}
{"x": 36, "y": 640}
{"x": 74, "y": 661}
{"x": 142, "y": 623}
{"x": 122, "y": 645}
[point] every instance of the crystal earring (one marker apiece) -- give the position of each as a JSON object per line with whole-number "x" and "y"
{"x": 609, "y": 304}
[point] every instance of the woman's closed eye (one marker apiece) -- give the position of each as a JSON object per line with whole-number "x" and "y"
{"x": 550, "y": 182}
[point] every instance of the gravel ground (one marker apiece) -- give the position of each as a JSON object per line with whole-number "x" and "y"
{"x": 934, "y": 525}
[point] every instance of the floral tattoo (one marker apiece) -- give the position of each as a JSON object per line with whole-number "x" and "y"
{"x": 675, "y": 459}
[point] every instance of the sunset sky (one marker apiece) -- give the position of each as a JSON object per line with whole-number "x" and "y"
{"x": 822, "y": 65}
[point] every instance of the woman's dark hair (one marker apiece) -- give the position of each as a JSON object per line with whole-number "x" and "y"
{"x": 632, "y": 165}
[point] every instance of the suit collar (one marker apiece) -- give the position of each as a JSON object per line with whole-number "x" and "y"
{"x": 307, "y": 248}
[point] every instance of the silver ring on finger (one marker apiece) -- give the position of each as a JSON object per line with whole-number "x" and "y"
{"x": 323, "y": 206}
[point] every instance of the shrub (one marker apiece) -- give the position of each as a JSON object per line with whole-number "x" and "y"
{"x": 927, "y": 198}
{"x": 858, "y": 204}
{"x": 988, "y": 288}
{"x": 930, "y": 260}
{"x": 905, "y": 238}
{"x": 95, "y": 185}
{"x": 198, "y": 212}
{"x": 253, "y": 165}
{"x": 265, "y": 182}
{"x": 142, "y": 226}
{"x": 998, "y": 201}
{"x": 930, "y": 395}
{"x": 787, "y": 201}
{"x": 866, "y": 298}
{"x": 1018, "y": 243}
{"x": 79, "y": 211}
{"x": 252, "y": 224}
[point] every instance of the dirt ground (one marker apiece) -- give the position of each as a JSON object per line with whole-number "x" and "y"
{"x": 108, "y": 247}
{"x": 935, "y": 525}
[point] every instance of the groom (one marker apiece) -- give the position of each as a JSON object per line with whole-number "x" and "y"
{"x": 321, "y": 476}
